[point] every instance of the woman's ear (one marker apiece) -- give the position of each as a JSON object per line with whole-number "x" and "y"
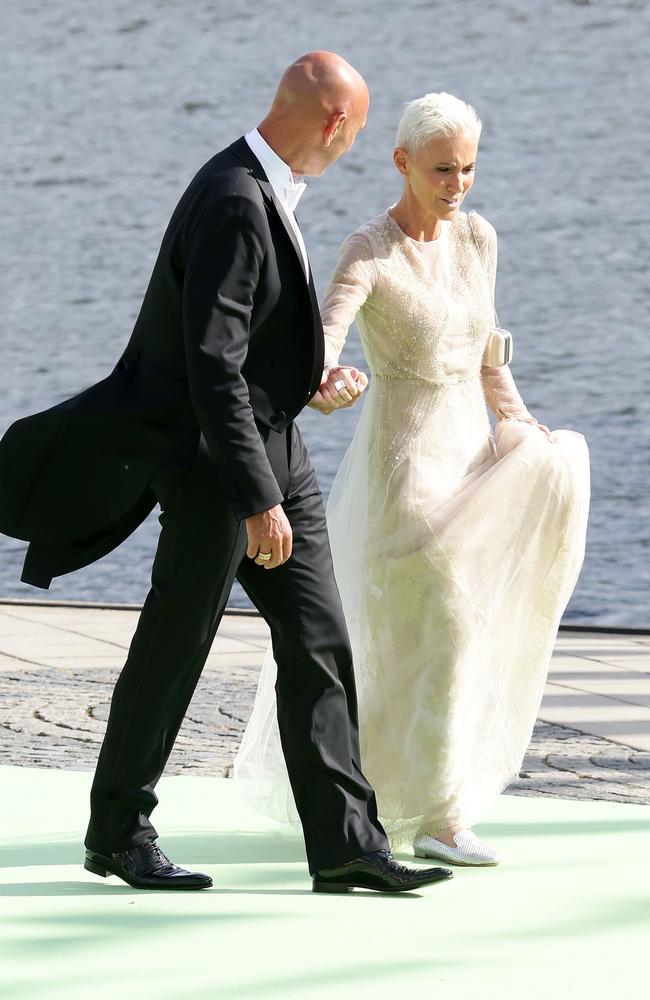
{"x": 400, "y": 159}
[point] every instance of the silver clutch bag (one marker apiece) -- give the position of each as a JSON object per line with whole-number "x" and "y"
{"x": 498, "y": 350}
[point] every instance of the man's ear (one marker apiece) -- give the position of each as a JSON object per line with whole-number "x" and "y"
{"x": 333, "y": 126}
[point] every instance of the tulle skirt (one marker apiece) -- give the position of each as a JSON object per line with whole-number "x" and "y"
{"x": 456, "y": 552}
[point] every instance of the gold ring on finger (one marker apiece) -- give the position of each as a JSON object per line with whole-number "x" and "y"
{"x": 264, "y": 556}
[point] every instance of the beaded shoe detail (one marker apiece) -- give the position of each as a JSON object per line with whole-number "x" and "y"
{"x": 469, "y": 850}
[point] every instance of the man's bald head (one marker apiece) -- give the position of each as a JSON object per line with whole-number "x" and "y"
{"x": 320, "y": 80}
{"x": 320, "y": 105}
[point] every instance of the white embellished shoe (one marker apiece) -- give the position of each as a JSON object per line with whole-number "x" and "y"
{"x": 469, "y": 850}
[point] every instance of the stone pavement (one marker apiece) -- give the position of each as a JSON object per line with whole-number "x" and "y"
{"x": 58, "y": 665}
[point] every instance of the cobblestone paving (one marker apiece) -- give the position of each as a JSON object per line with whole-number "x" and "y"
{"x": 56, "y": 717}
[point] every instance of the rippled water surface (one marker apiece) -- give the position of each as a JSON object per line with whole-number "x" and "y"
{"x": 110, "y": 109}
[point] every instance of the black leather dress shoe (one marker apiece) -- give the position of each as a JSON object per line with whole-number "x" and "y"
{"x": 145, "y": 867}
{"x": 379, "y": 871}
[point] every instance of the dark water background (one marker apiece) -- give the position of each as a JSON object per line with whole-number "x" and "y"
{"x": 111, "y": 107}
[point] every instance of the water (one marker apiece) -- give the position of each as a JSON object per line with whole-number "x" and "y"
{"x": 112, "y": 108}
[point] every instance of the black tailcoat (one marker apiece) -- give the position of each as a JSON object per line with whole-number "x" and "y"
{"x": 227, "y": 344}
{"x": 227, "y": 349}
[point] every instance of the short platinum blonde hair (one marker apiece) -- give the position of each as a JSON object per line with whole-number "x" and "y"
{"x": 432, "y": 116}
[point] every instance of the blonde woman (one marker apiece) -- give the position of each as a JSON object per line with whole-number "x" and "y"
{"x": 456, "y": 548}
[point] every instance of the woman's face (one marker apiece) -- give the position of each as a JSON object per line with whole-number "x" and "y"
{"x": 440, "y": 173}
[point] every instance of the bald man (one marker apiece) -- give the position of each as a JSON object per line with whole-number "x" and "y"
{"x": 198, "y": 416}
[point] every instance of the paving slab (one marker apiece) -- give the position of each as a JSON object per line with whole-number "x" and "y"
{"x": 58, "y": 666}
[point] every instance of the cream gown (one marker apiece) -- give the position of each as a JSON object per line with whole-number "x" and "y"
{"x": 456, "y": 549}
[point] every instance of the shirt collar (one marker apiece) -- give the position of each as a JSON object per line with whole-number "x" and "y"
{"x": 288, "y": 188}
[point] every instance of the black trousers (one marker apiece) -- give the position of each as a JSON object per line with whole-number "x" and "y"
{"x": 202, "y": 548}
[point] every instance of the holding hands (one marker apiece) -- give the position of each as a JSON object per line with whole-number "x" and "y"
{"x": 340, "y": 388}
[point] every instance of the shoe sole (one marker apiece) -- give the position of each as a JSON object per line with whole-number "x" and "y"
{"x": 104, "y": 872}
{"x": 456, "y": 861}
{"x": 333, "y": 887}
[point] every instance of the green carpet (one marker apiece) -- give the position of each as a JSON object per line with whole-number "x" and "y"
{"x": 566, "y": 916}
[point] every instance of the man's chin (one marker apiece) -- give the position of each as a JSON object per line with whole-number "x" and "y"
{"x": 313, "y": 171}
{"x": 318, "y": 169}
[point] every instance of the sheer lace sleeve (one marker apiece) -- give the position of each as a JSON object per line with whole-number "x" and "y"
{"x": 499, "y": 385}
{"x": 352, "y": 283}
{"x": 503, "y": 396}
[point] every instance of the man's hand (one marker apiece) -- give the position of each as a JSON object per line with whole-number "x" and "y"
{"x": 269, "y": 532}
{"x": 329, "y": 398}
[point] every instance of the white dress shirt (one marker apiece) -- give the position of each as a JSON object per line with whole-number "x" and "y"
{"x": 285, "y": 186}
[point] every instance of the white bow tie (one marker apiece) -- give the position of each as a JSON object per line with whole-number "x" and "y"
{"x": 293, "y": 194}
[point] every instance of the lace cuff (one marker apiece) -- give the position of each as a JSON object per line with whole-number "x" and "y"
{"x": 502, "y": 395}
